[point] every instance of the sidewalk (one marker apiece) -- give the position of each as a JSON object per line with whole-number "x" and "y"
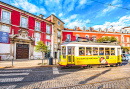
{"x": 27, "y": 63}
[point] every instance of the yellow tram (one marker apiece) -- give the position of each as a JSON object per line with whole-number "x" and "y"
{"x": 88, "y": 53}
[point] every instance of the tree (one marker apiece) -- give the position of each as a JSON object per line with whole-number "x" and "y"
{"x": 41, "y": 47}
{"x": 106, "y": 38}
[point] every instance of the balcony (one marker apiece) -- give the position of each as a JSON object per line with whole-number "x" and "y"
{"x": 5, "y": 20}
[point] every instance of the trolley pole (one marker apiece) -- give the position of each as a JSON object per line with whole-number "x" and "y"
{"x": 12, "y": 62}
{"x": 42, "y": 62}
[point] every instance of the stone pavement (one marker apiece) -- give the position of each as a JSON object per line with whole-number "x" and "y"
{"x": 25, "y": 63}
{"x": 72, "y": 78}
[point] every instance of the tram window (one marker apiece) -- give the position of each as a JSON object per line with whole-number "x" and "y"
{"x": 88, "y": 51}
{"x": 107, "y": 51}
{"x": 81, "y": 51}
{"x": 69, "y": 50}
{"x": 101, "y": 51}
{"x": 112, "y": 51}
{"x": 64, "y": 52}
{"x": 95, "y": 50}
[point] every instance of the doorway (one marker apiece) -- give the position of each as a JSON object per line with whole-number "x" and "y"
{"x": 22, "y": 51}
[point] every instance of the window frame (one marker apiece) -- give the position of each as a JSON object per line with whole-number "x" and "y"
{"x": 77, "y": 35}
{"x": 107, "y": 50}
{"x": 2, "y": 15}
{"x": 49, "y": 36}
{"x": 58, "y": 22}
{"x": 59, "y": 33}
{"x": 3, "y": 30}
{"x": 128, "y": 40}
{"x": 102, "y": 50}
{"x": 111, "y": 51}
{"x": 91, "y": 51}
{"x": 70, "y": 36}
{"x": 37, "y": 37}
{"x": 84, "y": 51}
{"x": 21, "y": 20}
{"x": 97, "y": 52}
{"x": 62, "y": 51}
{"x": 48, "y": 32}
{"x": 38, "y": 27}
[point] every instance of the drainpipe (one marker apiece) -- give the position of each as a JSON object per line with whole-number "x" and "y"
{"x": 52, "y": 46}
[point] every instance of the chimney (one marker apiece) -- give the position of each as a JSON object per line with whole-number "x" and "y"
{"x": 84, "y": 28}
{"x": 90, "y": 29}
{"x": 121, "y": 31}
{"x": 106, "y": 29}
{"x": 41, "y": 16}
{"x": 78, "y": 28}
{"x": 113, "y": 30}
{"x": 126, "y": 31}
{"x": 99, "y": 29}
{"x": 75, "y": 28}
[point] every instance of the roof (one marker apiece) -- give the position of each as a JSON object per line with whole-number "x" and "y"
{"x": 90, "y": 43}
{"x": 56, "y": 17}
{"x": 26, "y": 12}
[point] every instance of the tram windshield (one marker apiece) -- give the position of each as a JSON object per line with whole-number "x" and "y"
{"x": 64, "y": 52}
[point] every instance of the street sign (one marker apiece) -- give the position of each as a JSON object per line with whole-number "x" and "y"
{"x": 4, "y": 37}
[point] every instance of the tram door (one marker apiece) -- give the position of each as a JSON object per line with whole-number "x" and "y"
{"x": 71, "y": 55}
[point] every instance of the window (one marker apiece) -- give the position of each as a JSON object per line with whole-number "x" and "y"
{"x": 48, "y": 29}
{"x": 5, "y": 16}
{"x": 23, "y": 22}
{"x": 87, "y": 35}
{"x": 88, "y": 51}
{"x": 69, "y": 50}
{"x": 101, "y": 51}
{"x": 69, "y": 37}
{"x": 37, "y": 26}
{"x": 107, "y": 51}
{"x": 64, "y": 52}
{"x": 81, "y": 51}
{"x": 48, "y": 37}
{"x": 123, "y": 44}
{"x": 59, "y": 34}
{"x": 112, "y": 51}
{"x": 122, "y": 39}
{"x": 95, "y": 50}
{"x": 5, "y": 28}
{"x": 58, "y": 22}
{"x": 77, "y": 36}
{"x": 37, "y": 37}
{"x": 128, "y": 45}
{"x": 127, "y": 39}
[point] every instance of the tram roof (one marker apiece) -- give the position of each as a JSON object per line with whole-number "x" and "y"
{"x": 90, "y": 43}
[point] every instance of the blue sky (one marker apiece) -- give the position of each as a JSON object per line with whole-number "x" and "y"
{"x": 80, "y": 12}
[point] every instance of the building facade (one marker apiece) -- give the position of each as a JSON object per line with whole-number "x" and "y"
{"x": 72, "y": 34}
{"x": 57, "y": 34}
{"x": 23, "y": 30}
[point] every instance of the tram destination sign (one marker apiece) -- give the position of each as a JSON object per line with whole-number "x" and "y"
{"x": 4, "y": 37}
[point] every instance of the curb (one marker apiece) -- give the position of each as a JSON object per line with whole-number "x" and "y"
{"x": 13, "y": 67}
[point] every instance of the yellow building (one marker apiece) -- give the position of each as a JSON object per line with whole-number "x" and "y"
{"x": 56, "y": 35}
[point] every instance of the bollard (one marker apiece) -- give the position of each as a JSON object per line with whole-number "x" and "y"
{"x": 42, "y": 61}
{"x": 55, "y": 61}
{"x": 12, "y": 62}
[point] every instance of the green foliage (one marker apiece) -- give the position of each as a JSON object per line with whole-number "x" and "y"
{"x": 106, "y": 38}
{"x": 40, "y": 47}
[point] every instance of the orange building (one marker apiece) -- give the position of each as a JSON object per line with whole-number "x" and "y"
{"x": 73, "y": 34}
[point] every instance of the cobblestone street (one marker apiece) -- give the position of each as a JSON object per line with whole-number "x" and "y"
{"x": 72, "y": 78}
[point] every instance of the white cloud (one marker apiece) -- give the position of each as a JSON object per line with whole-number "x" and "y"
{"x": 73, "y": 16}
{"x": 78, "y": 23}
{"x": 82, "y": 2}
{"x": 25, "y": 5}
{"x": 123, "y": 21}
{"x": 117, "y": 3}
{"x": 60, "y": 14}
